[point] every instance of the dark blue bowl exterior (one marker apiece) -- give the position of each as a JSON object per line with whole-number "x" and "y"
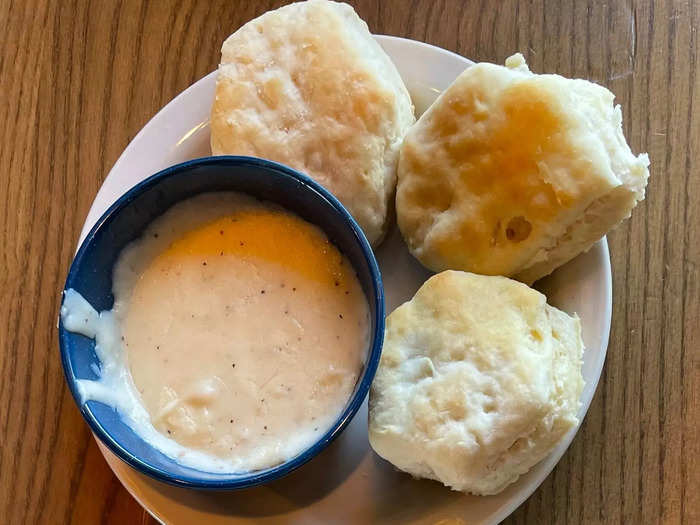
{"x": 91, "y": 275}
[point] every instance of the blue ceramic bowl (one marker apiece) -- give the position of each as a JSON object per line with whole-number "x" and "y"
{"x": 91, "y": 275}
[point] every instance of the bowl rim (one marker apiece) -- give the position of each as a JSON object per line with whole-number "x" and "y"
{"x": 237, "y": 480}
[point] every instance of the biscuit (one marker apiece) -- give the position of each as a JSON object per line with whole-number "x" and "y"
{"x": 512, "y": 173}
{"x": 307, "y": 85}
{"x": 479, "y": 379}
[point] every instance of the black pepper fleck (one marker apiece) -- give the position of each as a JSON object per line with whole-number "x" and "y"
{"x": 169, "y": 431}
{"x": 316, "y": 429}
{"x": 155, "y": 235}
{"x": 221, "y": 232}
{"x": 340, "y": 315}
{"x": 337, "y": 283}
{"x": 262, "y": 291}
{"x": 265, "y": 427}
{"x": 231, "y": 421}
{"x": 204, "y": 263}
{"x": 294, "y": 289}
{"x": 347, "y": 292}
{"x": 233, "y": 365}
{"x": 241, "y": 243}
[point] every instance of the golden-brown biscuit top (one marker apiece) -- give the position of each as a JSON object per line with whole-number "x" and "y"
{"x": 308, "y": 86}
{"x": 491, "y": 176}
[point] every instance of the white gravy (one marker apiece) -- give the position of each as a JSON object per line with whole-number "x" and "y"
{"x": 237, "y": 335}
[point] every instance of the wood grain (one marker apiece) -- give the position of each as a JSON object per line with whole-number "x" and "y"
{"x": 80, "y": 78}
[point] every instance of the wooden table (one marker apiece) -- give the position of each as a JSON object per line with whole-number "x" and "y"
{"x": 78, "y": 79}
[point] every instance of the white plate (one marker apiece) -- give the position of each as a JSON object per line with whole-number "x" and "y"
{"x": 348, "y": 482}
